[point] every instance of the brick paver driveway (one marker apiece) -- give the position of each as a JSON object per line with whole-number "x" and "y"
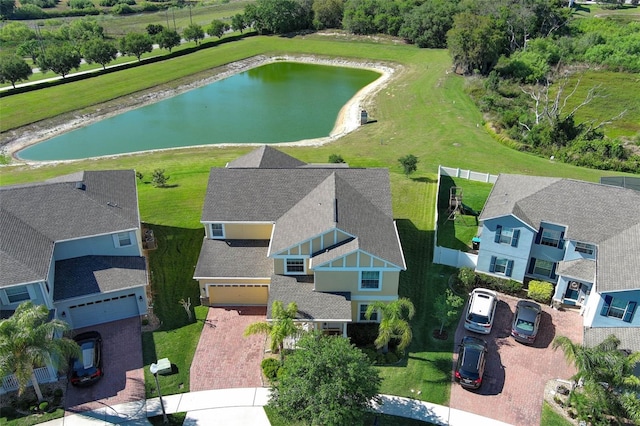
{"x": 224, "y": 358}
{"x": 123, "y": 379}
{"x": 515, "y": 374}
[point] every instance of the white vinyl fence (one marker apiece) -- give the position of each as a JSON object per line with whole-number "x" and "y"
{"x": 447, "y": 256}
{"x": 43, "y": 375}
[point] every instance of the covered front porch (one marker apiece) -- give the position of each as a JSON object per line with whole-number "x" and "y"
{"x": 575, "y": 281}
{"x": 326, "y": 312}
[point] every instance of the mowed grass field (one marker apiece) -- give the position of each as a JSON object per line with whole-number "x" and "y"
{"x": 422, "y": 111}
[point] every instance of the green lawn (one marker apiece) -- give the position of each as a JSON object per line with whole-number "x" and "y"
{"x": 551, "y": 418}
{"x": 458, "y": 233}
{"x": 423, "y": 111}
{"x": 32, "y": 419}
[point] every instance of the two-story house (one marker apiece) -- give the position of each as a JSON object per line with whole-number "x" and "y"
{"x": 74, "y": 244}
{"x": 322, "y": 236}
{"x": 583, "y": 237}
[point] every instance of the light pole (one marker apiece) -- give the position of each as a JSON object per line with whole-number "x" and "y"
{"x": 154, "y": 370}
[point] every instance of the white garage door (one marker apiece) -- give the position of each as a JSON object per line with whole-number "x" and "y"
{"x": 104, "y": 310}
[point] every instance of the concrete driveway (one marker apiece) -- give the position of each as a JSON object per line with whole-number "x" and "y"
{"x": 225, "y": 358}
{"x": 515, "y": 374}
{"x": 123, "y": 379}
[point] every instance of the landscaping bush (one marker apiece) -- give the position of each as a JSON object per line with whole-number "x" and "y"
{"x": 44, "y": 406}
{"x": 371, "y": 353}
{"x": 540, "y": 291}
{"x": 467, "y": 278}
{"x": 270, "y": 367}
{"x": 362, "y": 335}
{"x": 381, "y": 359}
{"x": 57, "y": 393}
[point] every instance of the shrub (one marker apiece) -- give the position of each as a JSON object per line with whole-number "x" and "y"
{"x": 270, "y": 367}
{"x": 336, "y": 158}
{"x": 108, "y": 3}
{"x": 122, "y": 9}
{"x": 381, "y": 359}
{"x": 362, "y": 334}
{"x": 512, "y": 287}
{"x": 57, "y": 393}
{"x": 371, "y": 353}
{"x": 540, "y": 291}
{"x": 44, "y": 406}
{"x": 80, "y": 4}
{"x": 467, "y": 277}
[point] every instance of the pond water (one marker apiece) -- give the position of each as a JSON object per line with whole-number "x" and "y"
{"x": 278, "y": 102}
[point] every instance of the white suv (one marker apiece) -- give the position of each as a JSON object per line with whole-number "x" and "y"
{"x": 481, "y": 310}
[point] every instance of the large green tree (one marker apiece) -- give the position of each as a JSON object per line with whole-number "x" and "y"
{"x": 217, "y": 28}
{"x": 193, "y": 32}
{"x": 168, "y": 39}
{"x": 99, "y": 51}
{"x": 278, "y": 16}
{"x": 238, "y": 22}
{"x": 325, "y": 381}
{"x": 281, "y": 326}
{"x": 28, "y": 339}
{"x": 427, "y": 25}
{"x": 394, "y": 323}
{"x": 328, "y": 13}
{"x": 609, "y": 387}
{"x": 136, "y": 44}
{"x": 475, "y": 42}
{"x": 13, "y": 68}
{"x": 60, "y": 59}
{"x": 446, "y": 308}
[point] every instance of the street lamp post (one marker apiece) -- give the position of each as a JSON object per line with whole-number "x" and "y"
{"x": 154, "y": 370}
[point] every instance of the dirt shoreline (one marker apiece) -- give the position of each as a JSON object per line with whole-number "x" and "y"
{"x": 348, "y": 118}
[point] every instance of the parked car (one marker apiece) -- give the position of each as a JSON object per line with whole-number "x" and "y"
{"x": 526, "y": 321}
{"x": 481, "y": 311}
{"x": 472, "y": 355}
{"x": 87, "y": 368}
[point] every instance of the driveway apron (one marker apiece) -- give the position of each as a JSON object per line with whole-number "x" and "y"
{"x": 123, "y": 379}
{"x": 516, "y": 374}
{"x": 225, "y": 358}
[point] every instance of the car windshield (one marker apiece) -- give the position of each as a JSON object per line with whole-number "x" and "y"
{"x": 479, "y": 319}
{"x": 524, "y": 325}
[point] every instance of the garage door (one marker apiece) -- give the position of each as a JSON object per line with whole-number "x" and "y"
{"x": 238, "y": 294}
{"x": 104, "y": 310}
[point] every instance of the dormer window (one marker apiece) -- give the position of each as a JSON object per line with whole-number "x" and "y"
{"x": 294, "y": 266}
{"x": 217, "y": 231}
{"x": 585, "y": 248}
{"x": 122, "y": 239}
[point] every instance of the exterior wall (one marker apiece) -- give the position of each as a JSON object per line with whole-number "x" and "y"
{"x": 349, "y": 280}
{"x": 593, "y": 312}
{"x": 245, "y": 231}
{"x": 35, "y": 295}
{"x": 541, "y": 251}
{"x": 518, "y": 254}
{"x": 571, "y": 253}
{"x": 102, "y": 245}
{"x": 577, "y": 297}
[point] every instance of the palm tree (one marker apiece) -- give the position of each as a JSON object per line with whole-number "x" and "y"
{"x": 27, "y": 340}
{"x": 280, "y": 327}
{"x": 394, "y": 323}
{"x": 609, "y": 385}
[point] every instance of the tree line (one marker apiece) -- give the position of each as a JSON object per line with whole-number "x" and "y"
{"x": 84, "y": 39}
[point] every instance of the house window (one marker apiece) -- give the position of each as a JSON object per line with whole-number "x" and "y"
{"x": 543, "y": 267}
{"x": 294, "y": 266}
{"x": 618, "y": 308}
{"x": 363, "y": 310}
{"x": 584, "y": 248}
{"x": 501, "y": 266}
{"x": 123, "y": 239}
{"x": 217, "y": 230}
{"x": 507, "y": 236}
{"x": 550, "y": 238}
{"x": 17, "y": 294}
{"x": 370, "y": 280}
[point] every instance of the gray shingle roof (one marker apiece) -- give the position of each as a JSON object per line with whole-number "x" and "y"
{"x": 35, "y": 216}
{"x": 266, "y": 157}
{"x": 82, "y": 276}
{"x": 582, "y": 269}
{"x": 234, "y": 258}
{"x": 604, "y": 215}
{"x": 629, "y": 337}
{"x": 312, "y": 305}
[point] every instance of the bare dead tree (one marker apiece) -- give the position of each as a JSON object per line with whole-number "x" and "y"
{"x": 187, "y": 306}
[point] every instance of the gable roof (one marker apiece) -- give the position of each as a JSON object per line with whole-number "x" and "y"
{"x": 266, "y": 157}
{"x": 36, "y": 216}
{"x": 301, "y": 202}
{"x": 593, "y": 213}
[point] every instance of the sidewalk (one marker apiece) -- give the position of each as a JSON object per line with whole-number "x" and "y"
{"x": 243, "y": 406}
